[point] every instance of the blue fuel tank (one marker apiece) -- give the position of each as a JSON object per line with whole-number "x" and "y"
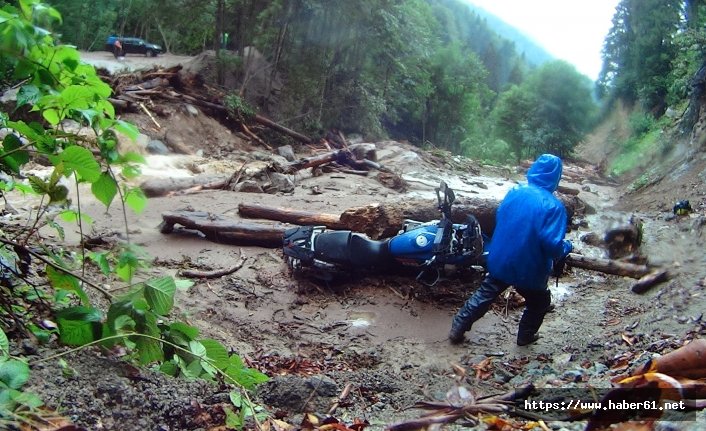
{"x": 415, "y": 246}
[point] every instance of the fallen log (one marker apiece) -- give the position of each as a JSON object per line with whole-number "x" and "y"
{"x": 608, "y": 266}
{"x": 156, "y": 187}
{"x": 272, "y": 125}
{"x": 384, "y": 220}
{"x": 310, "y": 162}
{"x": 648, "y": 281}
{"x": 148, "y": 85}
{"x": 218, "y": 229}
{"x": 568, "y": 191}
{"x": 289, "y": 215}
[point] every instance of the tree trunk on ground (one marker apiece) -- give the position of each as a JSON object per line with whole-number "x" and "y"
{"x": 274, "y": 126}
{"x": 310, "y": 162}
{"x": 653, "y": 278}
{"x": 288, "y": 215}
{"x": 608, "y": 266}
{"x": 224, "y": 231}
{"x": 164, "y": 186}
{"x": 384, "y": 220}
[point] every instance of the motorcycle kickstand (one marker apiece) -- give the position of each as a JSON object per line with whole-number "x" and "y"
{"x": 420, "y": 278}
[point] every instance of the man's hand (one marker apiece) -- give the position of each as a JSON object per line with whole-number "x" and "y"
{"x": 567, "y": 247}
{"x": 558, "y": 267}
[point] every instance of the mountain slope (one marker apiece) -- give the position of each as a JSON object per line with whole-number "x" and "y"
{"x": 533, "y": 52}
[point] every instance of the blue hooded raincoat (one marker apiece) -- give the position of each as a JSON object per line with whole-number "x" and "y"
{"x": 530, "y": 228}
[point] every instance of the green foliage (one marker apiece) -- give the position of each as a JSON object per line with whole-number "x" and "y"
{"x": 14, "y": 373}
{"x": 549, "y": 113}
{"x": 494, "y": 152}
{"x": 138, "y": 320}
{"x": 636, "y": 152}
{"x": 690, "y": 53}
{"x": 512, "y": 117}
{"x": 238, "y": 107}
{"x": 56, "y": 86}
{"x": 641, "y": 123}
{"x": 639, "y": 51}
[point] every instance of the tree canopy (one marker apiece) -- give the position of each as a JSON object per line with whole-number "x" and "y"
{"x": 652, "y": 50}
{"x": 430, "y": 72}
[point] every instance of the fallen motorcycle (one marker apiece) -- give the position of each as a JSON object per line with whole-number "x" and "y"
{"x": 426, "y": 246}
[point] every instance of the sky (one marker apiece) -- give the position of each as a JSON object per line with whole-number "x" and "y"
{"x": 571, "y": 30}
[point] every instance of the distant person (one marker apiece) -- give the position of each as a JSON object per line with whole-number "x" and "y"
{"x": 119, "y": 49}
{"x": 528, "y": 238}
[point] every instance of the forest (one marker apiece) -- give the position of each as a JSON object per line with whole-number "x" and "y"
{"x": 428, "y": 71}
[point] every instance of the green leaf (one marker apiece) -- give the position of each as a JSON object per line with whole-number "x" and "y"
{"x": 131, "y": 171}
{"x": 169, "y": 368}
{"x": 14, "y": 373}
{"x": 159, "y": 293}
{"x": 72, "y": 216}
{"x": 62, "y": 280}
{"x": 52, "y": 116}
{"x": 149, "y": 350}
{"x": 81, "y": 160}
{"x": 17, "y": 158}
{"x": 77, "y": 96}
{"x": 28, "y": 399}
{"x": 197, "y": 348}
{"x": 216, "y": 352}
{"x": 127, "y": 129}
{"x": 233, "y": 419}
{"x": 28, "y": 95}
{"x": 4, "y": 344}
{"x": 101, "y": 260}
{"x": 38, "y": 185}
{"x": 136, "y": 199}
{"x": 43, "y": 335}
{"x": 133, "y": 157}
{"x": 105, "y": 189}
{"x": 117, "y": 309}
{"x": 193, "y": 370}
{"x": 246, "y": 377}
{"x": 189, "y": 331}
{"x": 31, "y": 131}
{"x": 124, "y": 323}
{"x": 79, "y": 325}
{"x": 125, "y": 272}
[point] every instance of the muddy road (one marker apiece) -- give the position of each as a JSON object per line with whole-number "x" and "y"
{"x": 385, "y": 335}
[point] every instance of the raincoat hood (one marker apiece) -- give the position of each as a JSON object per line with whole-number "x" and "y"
{"x": 545, "y": 172}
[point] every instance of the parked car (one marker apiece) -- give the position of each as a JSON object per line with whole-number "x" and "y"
{"x": 132, "y": 45}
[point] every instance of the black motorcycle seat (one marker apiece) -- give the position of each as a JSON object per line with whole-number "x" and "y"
{"x": 349, "y": 248}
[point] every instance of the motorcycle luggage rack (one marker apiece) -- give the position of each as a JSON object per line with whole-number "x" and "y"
{"x": 410, "y": 224}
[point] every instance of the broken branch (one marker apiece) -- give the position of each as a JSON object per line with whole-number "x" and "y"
{"x": 212, "y": 274}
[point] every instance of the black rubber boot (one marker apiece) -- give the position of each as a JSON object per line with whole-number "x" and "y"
{"x": 456, "y": 334}
{"x": 475, "y": 307}
{"x": 525, "y": 339}
{"x": 537, "y": 304}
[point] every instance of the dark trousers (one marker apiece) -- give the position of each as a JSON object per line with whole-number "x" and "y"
{"x": 537, "y": 302}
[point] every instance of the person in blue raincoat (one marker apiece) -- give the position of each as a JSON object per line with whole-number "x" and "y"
{"x": 528, "y": 238}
